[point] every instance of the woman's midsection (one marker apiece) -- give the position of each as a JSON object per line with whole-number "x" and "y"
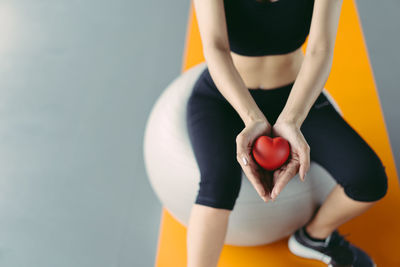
{"x": 268, "y": 72}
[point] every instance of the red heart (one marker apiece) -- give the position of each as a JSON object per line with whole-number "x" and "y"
{"x": 270, "y": 153}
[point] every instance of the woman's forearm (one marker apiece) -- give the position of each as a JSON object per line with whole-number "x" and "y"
{"x": 230, "y": 84}
{"x": 310, "y": 81}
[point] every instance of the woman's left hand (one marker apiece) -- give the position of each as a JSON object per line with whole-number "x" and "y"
{"x": 299, "y": 158}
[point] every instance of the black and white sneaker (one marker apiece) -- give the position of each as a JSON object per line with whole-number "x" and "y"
{"x": 335, "y": 250}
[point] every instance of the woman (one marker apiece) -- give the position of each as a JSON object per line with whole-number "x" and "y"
{"x": 258, "y": 82}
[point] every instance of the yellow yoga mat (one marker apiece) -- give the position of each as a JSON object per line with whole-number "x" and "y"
{"x": 377, "y": 230}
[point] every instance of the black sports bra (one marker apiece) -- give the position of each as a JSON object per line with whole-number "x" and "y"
{"x": 257, "y": 29}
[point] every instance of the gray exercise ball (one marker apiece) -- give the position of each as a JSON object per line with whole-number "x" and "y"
{"x": 174, "y": 175}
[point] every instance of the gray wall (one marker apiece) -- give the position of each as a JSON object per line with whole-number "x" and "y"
{"x": 77, "y": 81}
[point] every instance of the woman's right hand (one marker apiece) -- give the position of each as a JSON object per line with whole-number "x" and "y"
{"x": 261, "y": 179}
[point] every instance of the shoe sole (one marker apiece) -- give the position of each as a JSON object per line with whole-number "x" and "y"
{"x": 305, "y": 252}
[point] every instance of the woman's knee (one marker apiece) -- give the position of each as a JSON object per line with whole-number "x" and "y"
{"x": 368, "y": 183}
{"x": 219, "y": 189}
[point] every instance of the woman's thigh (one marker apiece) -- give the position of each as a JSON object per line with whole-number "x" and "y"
{"x": 337, "y": 146}
{"x": 213, "y": 126}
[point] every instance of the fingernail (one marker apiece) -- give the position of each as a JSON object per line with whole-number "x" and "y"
{"x": 244, "y": 160}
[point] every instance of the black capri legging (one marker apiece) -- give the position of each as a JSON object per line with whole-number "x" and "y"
{"x": 213, "y": 125}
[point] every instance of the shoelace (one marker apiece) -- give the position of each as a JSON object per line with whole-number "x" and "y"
{"x": 338, "y": 248}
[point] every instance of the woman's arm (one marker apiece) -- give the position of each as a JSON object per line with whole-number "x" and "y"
{"x": 212, "y": 26}
{"x": 317, "y": 63}
{"x": 231, "y": 85}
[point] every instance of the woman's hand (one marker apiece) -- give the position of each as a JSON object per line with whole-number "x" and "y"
{"x": 299, "y": 158}
{"x": 260, "y": 178}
